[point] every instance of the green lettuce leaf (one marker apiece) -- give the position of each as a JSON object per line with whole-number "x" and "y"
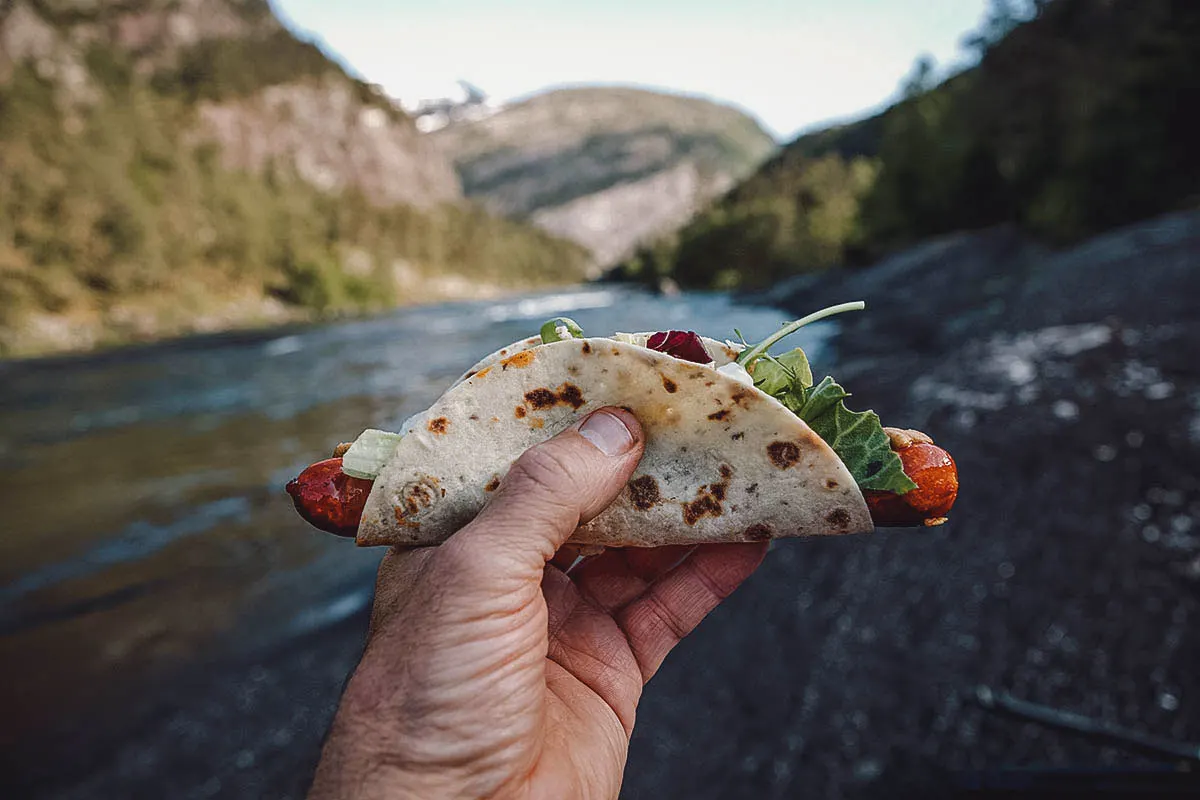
{"x": 858, "y": 438}
{"x": 777, "y": 374}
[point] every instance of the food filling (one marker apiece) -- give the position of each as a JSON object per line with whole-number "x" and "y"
{"x": 904, "y": 477}
{"x": 858, "y": 438}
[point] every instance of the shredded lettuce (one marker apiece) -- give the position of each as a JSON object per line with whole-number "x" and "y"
{"x": 370, "y": 451}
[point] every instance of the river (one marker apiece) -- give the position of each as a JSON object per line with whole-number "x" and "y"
{"x": 148, "y": 529}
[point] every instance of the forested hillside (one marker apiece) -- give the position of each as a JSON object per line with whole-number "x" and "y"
{"x": 1079, "y": 117}
{"x": 168, "y": 167}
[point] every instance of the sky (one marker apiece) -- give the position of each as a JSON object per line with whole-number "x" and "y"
{"x": 792, "y": 64}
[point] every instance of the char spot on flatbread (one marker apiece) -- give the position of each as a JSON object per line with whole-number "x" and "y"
{"x": 483, "y": 372}
{"x": 839, "y": 518}
{"x": 669, "y": 385}
{"x": 644, "y": 493}
{"x": 493, "y": 484}
{"x": 743, "y": 398}
{"x": 404, "y": 520}
{"x": 830, "y": 483}
{"x": 587, "y": 348}
{"x": 469, "y": 374}
{"x": 737, "y": 437}
{"x": 537, "y": 423}
{"x": 541, "y": 398}
{"x": 717, "y": 416}
{"x": 708, "y": 499}
{"x": 518, "y": 360}
{"x": 439, "y": 425}
{"x": 703, "y": 506}
{"x": 752, "y": 488}
{"x": 783, "y": 454}
{"x": 418, "y": 496}
{"x": 473, "y": 417}
{"x": 520, "y": 412}
{"x": 569, "y": 393}
{"x": 414, "y": 498}
{"x": 757, "y": 532}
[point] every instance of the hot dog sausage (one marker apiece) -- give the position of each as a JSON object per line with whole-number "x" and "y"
{"x": 332, "y": 501}
{"x": 936, "y": 476}
{"x": 329, "y": 499}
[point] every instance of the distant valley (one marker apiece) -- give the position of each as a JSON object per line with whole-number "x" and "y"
{"x": 607, "y": 167}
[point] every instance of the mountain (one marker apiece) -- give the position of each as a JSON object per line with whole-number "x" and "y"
{"x": 181, "y": 165}
{"x": 607, "y": 167}
{"x": 1075, "y": 121}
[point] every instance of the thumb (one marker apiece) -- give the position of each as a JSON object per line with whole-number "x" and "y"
{"x": 553, "y": 488}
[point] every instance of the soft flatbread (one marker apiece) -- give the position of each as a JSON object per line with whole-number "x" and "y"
{"x": 723, "y": 461}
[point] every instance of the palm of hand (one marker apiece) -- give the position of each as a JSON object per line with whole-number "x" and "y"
{"x": 511, "y": 689}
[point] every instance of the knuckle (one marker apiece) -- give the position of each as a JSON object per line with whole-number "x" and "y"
{"x": 670, "y": 620}
{"x": 717, "y": 588}
{"x": 546, "y": 470}
{"x": 456, "y": 559}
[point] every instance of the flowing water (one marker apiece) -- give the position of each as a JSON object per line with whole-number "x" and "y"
{"x": 146, "y": 526}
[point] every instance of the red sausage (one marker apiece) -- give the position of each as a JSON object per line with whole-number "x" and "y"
{"x": 329, "y": 499}
{"x": 332, "y": 501}
{"x": 936, "y": 476}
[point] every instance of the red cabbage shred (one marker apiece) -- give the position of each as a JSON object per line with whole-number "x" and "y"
{"x": 684, "y": 345}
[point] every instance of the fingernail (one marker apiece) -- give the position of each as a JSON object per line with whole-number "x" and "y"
{"x": 607, "y": 432}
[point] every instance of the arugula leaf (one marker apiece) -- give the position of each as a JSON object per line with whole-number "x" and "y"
{"x": 777, "y": 374}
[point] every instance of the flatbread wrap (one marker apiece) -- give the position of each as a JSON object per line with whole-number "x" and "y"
{"x": 739, "y": 446}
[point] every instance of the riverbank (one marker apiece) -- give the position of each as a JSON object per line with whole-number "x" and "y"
{"x": 1067, "y": 385}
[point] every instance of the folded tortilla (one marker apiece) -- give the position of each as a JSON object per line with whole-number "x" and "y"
{"x": 723, "y": 462}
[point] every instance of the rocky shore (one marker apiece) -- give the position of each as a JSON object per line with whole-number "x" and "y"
{"x": 1066, "y": 384}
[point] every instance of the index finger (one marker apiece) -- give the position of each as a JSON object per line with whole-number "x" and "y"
{"x": 673, "y": 606}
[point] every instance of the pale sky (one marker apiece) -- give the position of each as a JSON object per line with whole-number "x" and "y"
{"x": 790, "y": 63}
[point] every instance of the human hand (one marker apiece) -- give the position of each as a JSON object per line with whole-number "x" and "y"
{"x": 491, "y": 672}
